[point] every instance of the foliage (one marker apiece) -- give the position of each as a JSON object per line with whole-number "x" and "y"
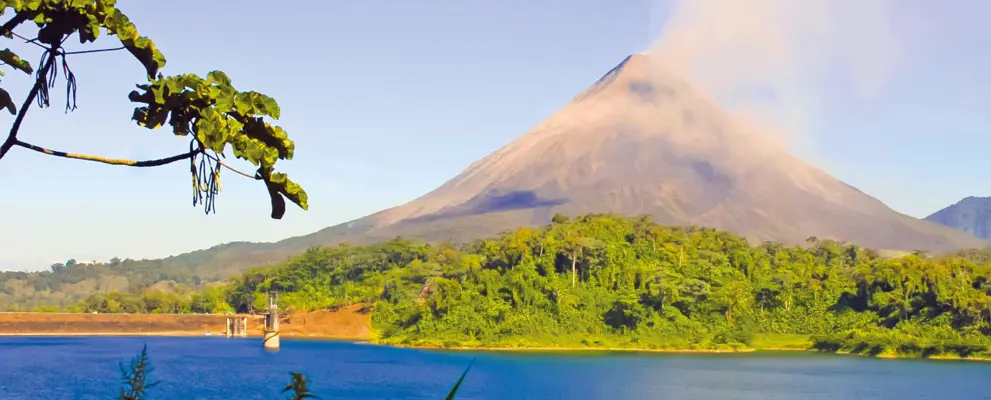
{"x": 638, "y": 285}
{"x": 179, "y": 300}
{"x": 298, "y": 387}
{"x": 211, "y": 109}
{"x": 134, "y": 378}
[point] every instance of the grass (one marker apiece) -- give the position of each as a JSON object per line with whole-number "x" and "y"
{"x": 781, "y": 341}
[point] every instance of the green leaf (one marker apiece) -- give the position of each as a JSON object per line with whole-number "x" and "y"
{"x": 106, "y": 7}
{"x": 271, "y": 156}
{"x": 7, "y": 102}
{"x": 271, "y": 136}
{"x": 295, "y": 193}
{"x": 32, "y": 5}
{"x": 157, "y": 118}
{"x": 180, "y": 124}
{"x": 265, "y": 105}
{"x": 288, "y": 145}
{"x": 174, "y": 85}
{"x": 159, "y": 93}
{"x": 15, "y": 61}
{"x": 91, "y": 31}
{"x": 279, "y": 185}
{"x": 118, "y": 24}
{"x": 145, "y": 51}
{"x": 278, "y": 203}
{"x": 224, "y": 102}
{"x": 243, "y": 104}
{"x": 219, "y": 77}
{"x": 140, "y": 47}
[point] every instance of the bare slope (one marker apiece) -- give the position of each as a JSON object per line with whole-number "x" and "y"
{"x": 640, "y": 141}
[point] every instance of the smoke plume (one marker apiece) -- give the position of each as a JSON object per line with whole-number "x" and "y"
{"x": 779, "y": 60}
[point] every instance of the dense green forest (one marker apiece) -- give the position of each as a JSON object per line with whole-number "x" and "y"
{"x": 609, "y": 281}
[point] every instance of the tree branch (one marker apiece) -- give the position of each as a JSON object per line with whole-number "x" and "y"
{"x": 93, "y": 51}
{"x": 223, "y": 164}
{"x": 129, "y": 163}
{"x": 12, "y": 136}
{"x": 9, "y": 26}
{"x": 105, "y": 160}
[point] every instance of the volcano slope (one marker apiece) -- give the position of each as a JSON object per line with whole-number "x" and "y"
{"x": 636, "y": 142}
{"x": 640, "y": 141}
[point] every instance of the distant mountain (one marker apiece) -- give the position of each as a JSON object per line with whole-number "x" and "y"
{"x": 971, "y": 215}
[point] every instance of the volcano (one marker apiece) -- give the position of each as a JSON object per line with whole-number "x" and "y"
{"x": 640, "y": 141}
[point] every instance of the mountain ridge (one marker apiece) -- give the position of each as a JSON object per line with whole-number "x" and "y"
{"x": 971, "y": 214}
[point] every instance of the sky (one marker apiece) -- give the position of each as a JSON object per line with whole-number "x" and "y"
{"x": 388, "y": 99}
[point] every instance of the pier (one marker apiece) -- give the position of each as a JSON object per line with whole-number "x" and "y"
{"x": 236, "y": 326}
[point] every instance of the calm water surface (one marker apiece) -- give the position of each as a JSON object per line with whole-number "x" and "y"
{"x": 219, "y": 368}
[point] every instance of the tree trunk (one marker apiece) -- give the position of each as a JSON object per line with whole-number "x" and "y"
{"x": 574, "y": 261}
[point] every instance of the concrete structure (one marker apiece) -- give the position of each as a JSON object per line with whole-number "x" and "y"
{"x": 236, "y": 326}
{"x": 270, "y": 336}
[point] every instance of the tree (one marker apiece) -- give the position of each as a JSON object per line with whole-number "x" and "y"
{"x": 210, "y": 111}
{"x": 574, "y": 245}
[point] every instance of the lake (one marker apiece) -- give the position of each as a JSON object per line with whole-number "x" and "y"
{"x": 220, "y": 368}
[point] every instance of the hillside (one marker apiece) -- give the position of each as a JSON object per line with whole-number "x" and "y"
{"x": 971, "y": 215}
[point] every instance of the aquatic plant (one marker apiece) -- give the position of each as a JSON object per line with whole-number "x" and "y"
{"x": 298, "y": 387}
{"x": 135, "y": 377}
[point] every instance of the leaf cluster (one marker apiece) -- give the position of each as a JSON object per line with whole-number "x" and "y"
{"x": 211, "y": 109}
{"x": 218, "y": 116}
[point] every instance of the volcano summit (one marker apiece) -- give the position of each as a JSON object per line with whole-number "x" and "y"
{"x": 640, "y": 141}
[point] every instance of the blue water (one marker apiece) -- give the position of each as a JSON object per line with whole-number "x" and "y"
{"x": 218, "y": 368}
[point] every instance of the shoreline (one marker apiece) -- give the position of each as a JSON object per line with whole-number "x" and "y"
{"x": 688, "y": 351}
{"x": 99, "y": 334}
{"x": 174, "y": 334}
{"x": 367, "y": 341}
{"x": 575, "y": 349}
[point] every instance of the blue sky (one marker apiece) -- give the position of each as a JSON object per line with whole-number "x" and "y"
{"x": 388, "y": 99}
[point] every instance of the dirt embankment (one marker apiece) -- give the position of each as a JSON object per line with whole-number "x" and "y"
{"x": 347, "y": 323}
{"x": 354, "y": 322}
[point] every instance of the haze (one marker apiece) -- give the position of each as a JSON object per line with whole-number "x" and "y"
{"x": 398, "y": 98}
